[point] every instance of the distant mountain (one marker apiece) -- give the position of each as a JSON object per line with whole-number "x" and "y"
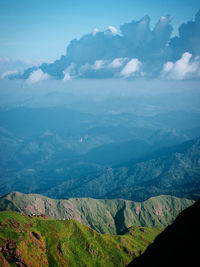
{"x": 26, "y": 241}
{"x": 170, "y": 171}
{"x": 179, "y": 175}
{"x": 40, "y": 148}
{"x": 177, "y": 245}
{"x": 105, "y": 216}
{"x": 116, "y": 153}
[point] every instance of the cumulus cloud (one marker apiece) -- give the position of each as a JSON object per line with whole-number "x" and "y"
{"x": 13, "y": 68}
{"x": 67, "y": 76}
{"x": 99, "y": 64}
{"x": 95, "y": 31}
{"x": 162, "y": 31}
{"x": 136, "y": 40}
{"x": 184, "y": 68}
{"x": 8, "y": 73}
{"x": 107, "y": 54}
{"x": 37, "y": 75}
{"x": 10, "y": 67}
{"x": 111, "y": 30}
{"x": 117, "y": 62}
{"x": 131, "y": 67}
{"x": 68, "y": 72}
{"x": 188, "y": 39}
{"x": 137, "y": 33}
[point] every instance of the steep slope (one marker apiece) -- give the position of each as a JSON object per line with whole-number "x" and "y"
{"x": 26, "y": 241}
{"x": 173, "y": 171}
{"x": 180, "y": 176}
{"x": 178, "y": 244}
{"x": 105, "y": 216}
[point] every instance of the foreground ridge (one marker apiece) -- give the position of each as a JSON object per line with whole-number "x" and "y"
{"x": 177, "y": 245}
{"x": 34, "y": 241}
{"x": 104, "y": 216}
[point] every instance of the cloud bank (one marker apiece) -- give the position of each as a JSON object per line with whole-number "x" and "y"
{"x": 131, "y": 67}
{"x": 137, "y": 50}
{"x": 188, "y": 39}
{"x": 37, "y": 75}
{"x": 184, "y": 68}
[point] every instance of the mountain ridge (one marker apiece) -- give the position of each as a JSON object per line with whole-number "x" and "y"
{"x": 103, "y": 215}
{"x": 43, "y": 147}
{"x": 175, "y": 171}
{"x": 177, "y": 245}
{"x": 37, "y": 241}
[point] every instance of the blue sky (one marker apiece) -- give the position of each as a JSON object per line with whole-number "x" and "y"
{"x": 42, "y": 29}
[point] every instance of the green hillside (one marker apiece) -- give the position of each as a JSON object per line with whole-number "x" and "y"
{"x": 177, "y": 245}
{"x": 34, "y": 241}
{"x": 105, "y": 216}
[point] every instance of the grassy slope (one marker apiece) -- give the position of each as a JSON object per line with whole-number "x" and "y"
{"x": 105, "y": 216}
{"x": 177, "y": 245}
{"x": 39, "y": 242}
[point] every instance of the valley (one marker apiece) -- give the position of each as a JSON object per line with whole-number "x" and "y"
{"x": 84, "y": 189}
{"x": 99, "y": 133}
{"x": 173, "y": 171}
{"x": 61, "y": 153}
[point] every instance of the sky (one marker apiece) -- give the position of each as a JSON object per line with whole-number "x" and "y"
{"x": 42, "y": 29}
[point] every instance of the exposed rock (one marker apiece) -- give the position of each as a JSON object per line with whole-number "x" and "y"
{"x": 138, "y": 209}
{"x": 158, "y": 211}
{"x": 8, "y": 249}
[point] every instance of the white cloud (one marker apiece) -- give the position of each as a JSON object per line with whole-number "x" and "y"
{"x": 8, "y": 73}
{"x": 99, "y": 64}
{"x": 165, "y": 19}
{"x": 183, "y": 68}
{"x": 67, "y": 76}
{"x": 111, "y": 30}
{"x": 95, "y": 31}
{"x": 113, "y": 53}
{"x": 168, "y": 67}
{"x": 131, "y": 67}
{"x": 117, "y": 62}
{"x": 68, "y": 72}
{"x": 37, "y": 75}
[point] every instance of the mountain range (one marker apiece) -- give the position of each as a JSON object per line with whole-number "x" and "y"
{"x": 103, "y": 215}
{"x": 99, "y": 187}
{"x": 55, "y": 151}
{"x": 172, "y": 171}
{"x": 36, "y": 240}
{"x": 100, "y": 148}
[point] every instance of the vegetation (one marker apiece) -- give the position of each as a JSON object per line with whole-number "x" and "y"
{"x": 177, "y": 245}
{"x": 67, "y": 152}
{"x": 35, "y": 241}
{"x": 105, "y": 216}
{"x": 169, "y": 171}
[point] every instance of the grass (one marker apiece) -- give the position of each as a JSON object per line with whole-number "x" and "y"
{"x": 46, "y": 242}
{"x": 104, "y": 216}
